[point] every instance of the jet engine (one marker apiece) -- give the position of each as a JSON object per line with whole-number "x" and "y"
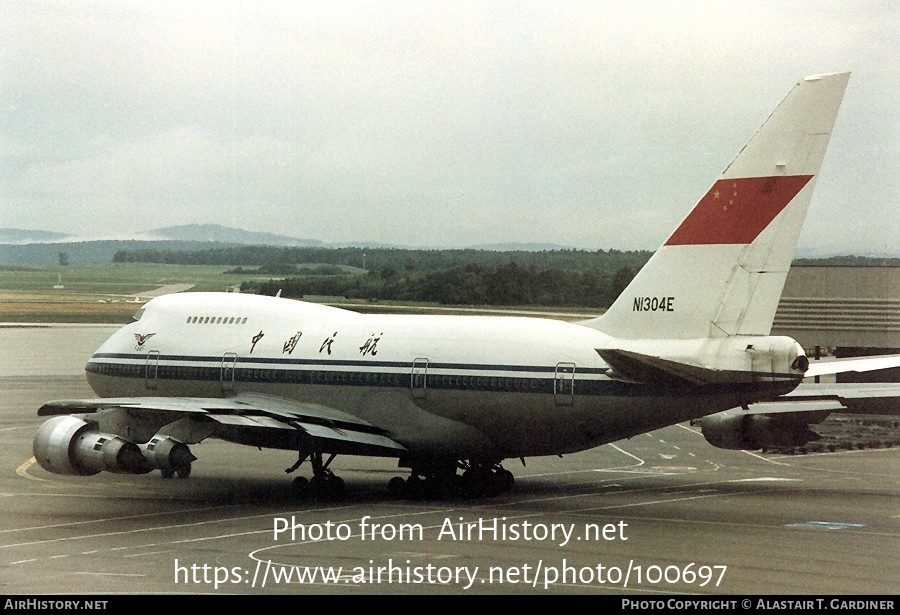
{"x": 738, "y": 430}
{"x": 69, "y": 445}
{"x": 169, "y": 455}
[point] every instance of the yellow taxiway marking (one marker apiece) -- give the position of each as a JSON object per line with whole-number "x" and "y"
{"x": 22, "y": 471}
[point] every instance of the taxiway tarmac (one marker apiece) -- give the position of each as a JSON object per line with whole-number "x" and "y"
{"x": 679, "y": 516}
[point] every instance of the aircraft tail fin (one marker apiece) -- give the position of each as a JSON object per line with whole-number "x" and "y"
{"x": 721, "y": 272}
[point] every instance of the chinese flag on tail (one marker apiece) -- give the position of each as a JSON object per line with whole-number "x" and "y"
{"x": 737, "y": 210}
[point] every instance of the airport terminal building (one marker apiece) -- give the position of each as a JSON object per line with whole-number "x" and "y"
{"x": 843, "y": 312}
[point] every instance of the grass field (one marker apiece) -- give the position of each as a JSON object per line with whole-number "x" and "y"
{"x": 109, "y": 292}
{"x": 104, "y": 292}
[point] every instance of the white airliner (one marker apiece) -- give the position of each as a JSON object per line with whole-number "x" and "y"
{"x": 451, "y": 397}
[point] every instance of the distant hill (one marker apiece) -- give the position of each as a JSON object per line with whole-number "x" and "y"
{"x": 21, "y": 236}
{"x": 225, "y": 234}
{"x": 86, "y": 252}
{"x": 32, "y": 247}
{"x": 36, "y": 247}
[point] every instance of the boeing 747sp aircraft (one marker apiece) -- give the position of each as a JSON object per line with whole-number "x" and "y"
{"x": 452, "y": 397}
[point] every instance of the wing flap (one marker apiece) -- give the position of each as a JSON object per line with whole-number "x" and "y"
{"x": 248, "y": 421}
{"x": 254, "y": 420}
{"x": 344, "y": 441}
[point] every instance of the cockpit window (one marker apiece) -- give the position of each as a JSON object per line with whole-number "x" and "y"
{"x": 137, "y": 315}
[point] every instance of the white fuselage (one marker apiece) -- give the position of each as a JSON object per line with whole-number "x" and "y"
{"x": 458, "y": 386}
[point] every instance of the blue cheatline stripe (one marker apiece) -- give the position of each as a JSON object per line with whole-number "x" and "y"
{"x": 244, "y": 373}
{"x": 541, "y": 380}
{"x": 239, "y": 363}
{"x": 242, "y": 361}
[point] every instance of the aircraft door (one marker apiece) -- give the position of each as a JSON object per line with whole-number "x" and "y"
{"x": 419, "y": 377}
{"x": 151, "y": 370}
{"x": 226, "y": 375}
{"x": 564, "y": 384}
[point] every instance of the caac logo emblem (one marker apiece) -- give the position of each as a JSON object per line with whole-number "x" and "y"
{"x": 141, "y": 340}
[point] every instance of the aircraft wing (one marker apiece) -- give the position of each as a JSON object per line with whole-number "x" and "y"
{"x": 785, "y": 421}
{"x": 855, "y": 364}
{"x": 256, "y": 420}
{"x": 823, "y": 399}
{"x": 853, "y": 398}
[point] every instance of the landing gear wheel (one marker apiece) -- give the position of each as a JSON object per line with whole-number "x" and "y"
{"x": 167, "y": 472}
{"x": 336, "y": 488}
{"x": 457, "y": 486}
{"x": 505, "y": 479}
{"x": 300, "y": 488}
{"x": 397, "y": 488}
{"x": 415, "y": 487}
{"x": 476, "y": 482}
{"x": 183, "y": 471}
{"x": 437, "y": 479}
{"x": 485, "y": 480}
{"x": 326, "y": 487}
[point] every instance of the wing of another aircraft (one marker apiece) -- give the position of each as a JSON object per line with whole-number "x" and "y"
{"x": 855, "y": 364}
{"x": 786, "y": 420}
{"x": 854, "y": 398}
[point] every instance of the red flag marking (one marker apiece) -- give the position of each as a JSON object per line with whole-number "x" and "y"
{"x": 735, "y": 211}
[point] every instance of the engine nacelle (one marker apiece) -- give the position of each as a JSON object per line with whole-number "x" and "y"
{"x": 167, "y": 454}
{"x": 69, "y": 445}
{"x": 738, "y": 430}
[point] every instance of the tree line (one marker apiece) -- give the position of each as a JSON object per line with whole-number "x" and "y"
{"x": 471, "y": 284}
{"x": 381, "y": 259}
{"x": 462, "y": 277}
{"x": 576, "y": 278}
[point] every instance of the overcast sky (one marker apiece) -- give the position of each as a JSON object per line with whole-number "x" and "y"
{"x": 585, "y": 124}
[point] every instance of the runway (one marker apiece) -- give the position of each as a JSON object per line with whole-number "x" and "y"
{"x": 662, "y": 513}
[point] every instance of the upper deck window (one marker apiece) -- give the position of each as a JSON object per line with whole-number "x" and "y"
{"x": 217, "y": 320}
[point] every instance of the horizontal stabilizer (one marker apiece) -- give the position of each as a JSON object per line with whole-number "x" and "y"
{"x": 629, "y": 366}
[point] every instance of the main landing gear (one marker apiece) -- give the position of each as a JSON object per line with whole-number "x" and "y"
{"x": 428, "y": 480}
{"x": 325, "y": 485}
{"x": 440, "y": 481}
